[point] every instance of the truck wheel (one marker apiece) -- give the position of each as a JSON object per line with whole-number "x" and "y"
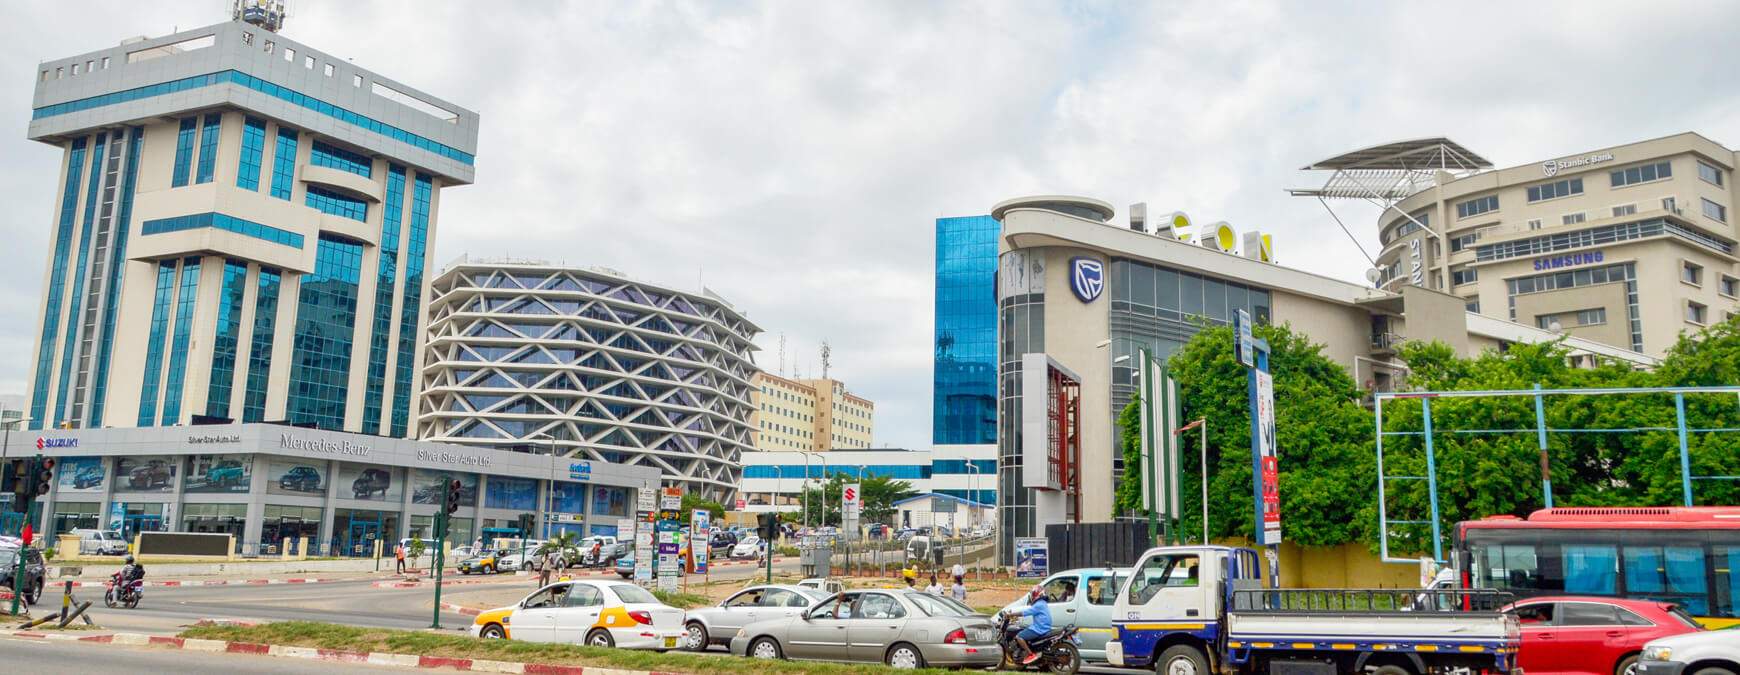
{"x": 1188, "y": 660}
{"x": 1714, "y": 671}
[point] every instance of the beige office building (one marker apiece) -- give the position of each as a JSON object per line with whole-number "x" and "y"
{"x": 809, "y": 415}
{"x": 1627, "y": 245}
{"x": 1081, "y": 295}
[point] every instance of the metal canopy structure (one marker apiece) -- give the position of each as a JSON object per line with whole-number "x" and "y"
{"x": 1540, "y": 430}
{"x": 1388, "y": 173}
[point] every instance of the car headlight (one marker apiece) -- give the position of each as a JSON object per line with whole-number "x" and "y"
{"x": 506, "y": 620}
{"x": 1658, "y": 653}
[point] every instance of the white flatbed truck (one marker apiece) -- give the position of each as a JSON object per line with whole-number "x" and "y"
{"x": 1202, "y": 610}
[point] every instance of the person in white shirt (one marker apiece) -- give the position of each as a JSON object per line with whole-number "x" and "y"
{"x": 934, "y": 588}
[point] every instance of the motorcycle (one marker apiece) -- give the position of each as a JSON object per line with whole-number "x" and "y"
{"x": 1057, "y": 649}
{"x": 127, "y": 593}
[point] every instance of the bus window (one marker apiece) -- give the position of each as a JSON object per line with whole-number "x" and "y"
{"x": 1591, "y": 570}
{"x": 1726, "y": 578}
{"x": 1505, "y": 566}
{"x": 1668, "y": 573}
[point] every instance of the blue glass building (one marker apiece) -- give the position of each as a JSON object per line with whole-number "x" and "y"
{"x": 964, "y": 377}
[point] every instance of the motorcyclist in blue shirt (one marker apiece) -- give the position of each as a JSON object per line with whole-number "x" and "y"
{"x": 1040, "y": 611}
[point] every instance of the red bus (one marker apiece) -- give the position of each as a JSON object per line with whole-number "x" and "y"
{"x": 1685, "y": 555}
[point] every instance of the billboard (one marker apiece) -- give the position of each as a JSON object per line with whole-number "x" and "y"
{"x": 147, "y": 473}
{"x": 426, "y": 486}
{"x": 81, "y": 475}
{"x": 1031, "y": 559}
{"x": 370, "y": 482}
{"x": 286, "y": 476}
{"x": 219, "y": 473}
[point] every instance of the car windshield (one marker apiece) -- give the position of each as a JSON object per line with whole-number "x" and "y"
{"x": 935, "y": 605}
{"x": 815, "y": 594}
{"x": 633, "y": 594}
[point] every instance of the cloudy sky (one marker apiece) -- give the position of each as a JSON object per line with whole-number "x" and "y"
{"x": 793, "y": 156}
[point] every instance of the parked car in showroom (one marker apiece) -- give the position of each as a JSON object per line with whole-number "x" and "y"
{"x": 300, "y": 479}
{"x": 900, "y": 628}
{"x": 227, "y": 473}
{"x": 716, "y": 625}
{"x": 150, "y": 475}
{"x": 1714, "y": 652}
{"x": 1596, "y": 635}
{"x": 369, "y": 482}
{"x": 88, "y": 476}
{"x": 591, "y": 612}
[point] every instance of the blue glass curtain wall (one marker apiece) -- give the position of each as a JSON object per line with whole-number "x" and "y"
{"x": 161, "y": 305}
{"x": 325, "y": 329}
{"x": 177, "y": 376}
{"x": 225, "y": 341}
{"x": 380, "y": 339}
{"x": 69, "y": 201}
{"x": 964, "y": 384}
{"x": 421, "y": 196}
{"x": 117, "y": 259}
{"x": 260, "y": 349}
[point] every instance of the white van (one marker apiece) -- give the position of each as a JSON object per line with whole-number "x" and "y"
{"x": 100, "y": 542}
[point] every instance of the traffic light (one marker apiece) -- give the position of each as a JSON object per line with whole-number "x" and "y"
{"x": 763, "y": 521}
{"x": 451, "y": 504}
{"x": 44, "y": 476}
{"x": 18, "y": 482}
{"x": 778, "y": 525}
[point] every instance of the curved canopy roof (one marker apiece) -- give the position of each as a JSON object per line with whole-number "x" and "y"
{"x": 1420, "y": 154}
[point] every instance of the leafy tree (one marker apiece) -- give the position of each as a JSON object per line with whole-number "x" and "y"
{"x": 1128, "y": 495}
{"x": 693, "y": 502}
{"x": 1323, "y": 439}
{"x": 879, "y": 493}
{"x": 565, "y": 544}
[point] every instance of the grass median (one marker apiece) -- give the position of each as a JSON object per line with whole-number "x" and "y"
{"x": 351, "y": 638}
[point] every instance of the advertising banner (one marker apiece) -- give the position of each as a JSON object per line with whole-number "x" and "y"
{"x": 668, "y": 560}
{"x": 219, "y": 473}
{"x": 370, "y": 482}
{"x": 501, "y": 492}
{"x": 427, "y": 486}
{"x": 1031, "y": 559}
{"x": 699, "y": 537}
{"x": 1270, "y": 502}
{"x": 644, "y": 553}
{"x": 81, "y": 475}
{"x": 117, "y": 515}
{"x": 150, "y": 473}
{"x": 287, "y": 476}
{"x": 624, "y": 530}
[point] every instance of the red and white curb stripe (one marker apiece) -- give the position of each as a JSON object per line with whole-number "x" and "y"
{"x": 313, "y": 653}
{"x": 461, "y": 609}
{"x": 209, "y": 582}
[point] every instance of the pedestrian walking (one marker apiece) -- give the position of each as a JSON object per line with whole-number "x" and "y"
{"x": 544, "y": 569}
{"x": 399, "y": 553}
{"x": 958, "y": 591}
{"x": 934, "y": 588}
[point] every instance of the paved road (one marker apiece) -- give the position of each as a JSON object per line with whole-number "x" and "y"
{"x": 24, "y": 655}
{"x": 166, "y": 610}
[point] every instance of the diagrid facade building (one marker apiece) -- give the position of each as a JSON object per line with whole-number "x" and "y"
{"x": 587, "y": 364}
{"x": 240, "y": 232}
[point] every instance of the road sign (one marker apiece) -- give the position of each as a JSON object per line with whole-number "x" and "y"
{"x": 673, "y": 499}
{"x": 1247, "y": 343}
{"x": 647, "y": 498}
{"x": 738, "y": 506}
{"x": 700, "y": 537}
{"x": 1271, "y": 474}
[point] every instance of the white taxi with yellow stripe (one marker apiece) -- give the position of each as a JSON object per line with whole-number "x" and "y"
{"x": 599, "y": 613}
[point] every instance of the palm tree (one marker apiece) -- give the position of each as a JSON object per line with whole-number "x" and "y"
{"x": 565, "y": 544}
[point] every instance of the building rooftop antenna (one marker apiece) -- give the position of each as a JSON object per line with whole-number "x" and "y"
{"x": 825, "y": 352}
{"x": 263, "y": 13}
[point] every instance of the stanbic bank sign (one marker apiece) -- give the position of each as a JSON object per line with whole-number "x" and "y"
{"x": 1551, "y": 167}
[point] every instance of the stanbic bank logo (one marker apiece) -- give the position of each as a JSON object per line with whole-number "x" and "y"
{"x": 1087, "y": 278}
{"x": 1551, "y": 167}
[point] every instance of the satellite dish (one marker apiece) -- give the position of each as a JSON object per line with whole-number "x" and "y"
{"x": 1372, "y": 275}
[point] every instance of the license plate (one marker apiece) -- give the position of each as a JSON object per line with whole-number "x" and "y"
{"x": 981, "y": 635}
{"x": 670, "y": 642}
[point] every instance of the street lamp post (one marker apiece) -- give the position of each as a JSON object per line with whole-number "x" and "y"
{"x": 550, "y": 504}
{"x": 1201, "y": 424}
{"x": 805, "y": 488}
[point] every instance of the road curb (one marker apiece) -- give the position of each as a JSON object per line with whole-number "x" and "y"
{"x": 461, "y": 609}
{"x": 339, "y": 655}
{"x": 211, "y": 582}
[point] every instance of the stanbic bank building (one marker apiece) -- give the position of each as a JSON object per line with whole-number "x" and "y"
{"x": 1079, "y": 295}
{"x": 265, "y": 483}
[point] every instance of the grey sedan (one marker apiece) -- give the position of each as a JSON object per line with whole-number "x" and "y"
{"x": 901, "y": 628}
{"x": 710, "y": 626}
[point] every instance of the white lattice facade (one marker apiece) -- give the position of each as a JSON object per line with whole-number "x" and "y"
{"x": 523, "y": 356}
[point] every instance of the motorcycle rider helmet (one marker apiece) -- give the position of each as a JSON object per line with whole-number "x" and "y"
{"x": 128, "y": 559}
{"x": 1036, "y": 594}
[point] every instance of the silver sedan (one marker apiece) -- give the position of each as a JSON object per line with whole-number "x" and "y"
{"x": 708, "y": 626}
{"x": 901, "y": 628}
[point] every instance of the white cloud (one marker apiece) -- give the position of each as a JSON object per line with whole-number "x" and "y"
{"x": 794, "y": 155}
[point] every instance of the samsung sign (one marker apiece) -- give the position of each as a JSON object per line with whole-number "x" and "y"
{"x": 1568, "y": 260}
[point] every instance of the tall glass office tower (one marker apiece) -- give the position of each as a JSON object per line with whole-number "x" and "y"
{"x": 240, "y": 233}
{"x": 964, "y": 378}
